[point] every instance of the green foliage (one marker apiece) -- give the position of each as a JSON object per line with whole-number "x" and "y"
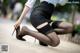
{"x": 65, "y": 8}
{"x": 5, "y": 2}
{"x": 23, "y": 1}
{"x": 79, "y": 7}
{"x": 54, "y": 18}
{"x": 78, "y": 28}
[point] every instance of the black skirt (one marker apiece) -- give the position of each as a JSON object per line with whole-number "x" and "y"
{"x": 41, "y": 14}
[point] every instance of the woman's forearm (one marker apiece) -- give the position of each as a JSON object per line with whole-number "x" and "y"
{"x": 24, "y": 12}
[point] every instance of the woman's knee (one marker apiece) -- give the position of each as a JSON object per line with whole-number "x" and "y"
{"x": 55, "y": 41}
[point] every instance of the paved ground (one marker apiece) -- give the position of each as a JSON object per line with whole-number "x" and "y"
{"x": 30, "y": 46}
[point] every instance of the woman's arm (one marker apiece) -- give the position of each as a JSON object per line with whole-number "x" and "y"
{"x": 28, "y": 5}
{"x": 24, "y": 12}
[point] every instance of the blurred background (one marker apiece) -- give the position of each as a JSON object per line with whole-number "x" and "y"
{"x": 10, "y": 11}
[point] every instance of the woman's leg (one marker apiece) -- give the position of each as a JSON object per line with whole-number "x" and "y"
{"x": 62, "y": 27}
{"x": 51, "y": 38}
{"x": 66, "y": 26}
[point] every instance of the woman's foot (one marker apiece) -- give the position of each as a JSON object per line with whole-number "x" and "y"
{"x": 19, "y": 36}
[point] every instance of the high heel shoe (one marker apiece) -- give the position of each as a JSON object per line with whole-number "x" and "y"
{"x": 18, "y": 35}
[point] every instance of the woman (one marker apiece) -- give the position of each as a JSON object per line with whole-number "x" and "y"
{"x": 40, "y": 19}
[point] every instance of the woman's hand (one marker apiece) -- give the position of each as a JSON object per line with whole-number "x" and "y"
{"x": 17, "y": 24}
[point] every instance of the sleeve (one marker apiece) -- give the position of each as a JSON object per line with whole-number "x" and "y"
{"x": 30, "y": 3}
